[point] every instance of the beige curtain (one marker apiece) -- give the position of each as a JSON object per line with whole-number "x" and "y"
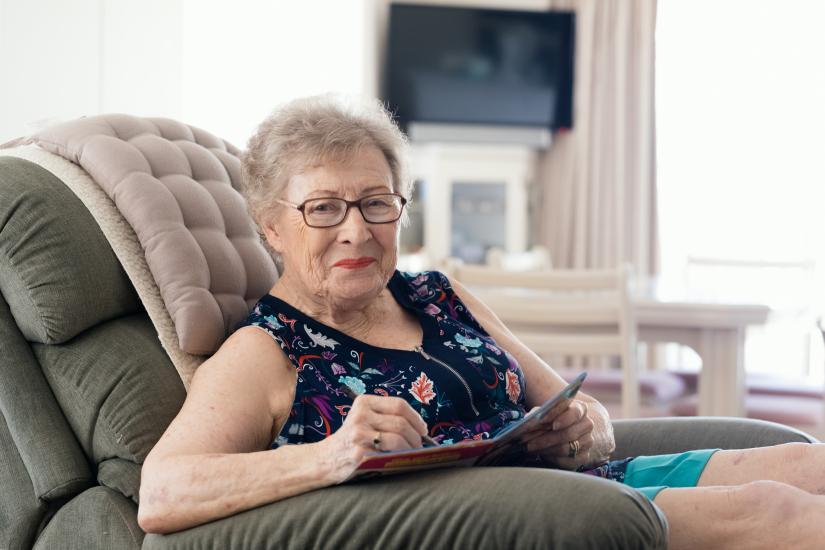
{"x": 597, "y": 182}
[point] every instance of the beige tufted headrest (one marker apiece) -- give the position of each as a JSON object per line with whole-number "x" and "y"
{"x": 177, "y": 186}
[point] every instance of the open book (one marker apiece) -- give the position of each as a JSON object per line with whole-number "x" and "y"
{"x": 506, "y": 445}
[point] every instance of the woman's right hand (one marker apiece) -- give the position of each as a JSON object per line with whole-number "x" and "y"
{"x": 389, "y": 420}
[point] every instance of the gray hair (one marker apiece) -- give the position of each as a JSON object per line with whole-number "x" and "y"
{"x": 306, "y": 131}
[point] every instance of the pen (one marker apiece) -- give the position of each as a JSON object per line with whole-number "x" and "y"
{"x": 426, "y": 439}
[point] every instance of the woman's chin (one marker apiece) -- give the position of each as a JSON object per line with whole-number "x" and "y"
{"x": 357, "y": 284}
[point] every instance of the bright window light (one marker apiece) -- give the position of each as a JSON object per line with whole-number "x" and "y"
{"x": 741, "y": 155}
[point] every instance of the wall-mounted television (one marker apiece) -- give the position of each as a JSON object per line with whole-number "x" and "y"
{"x": 456, "y": 65}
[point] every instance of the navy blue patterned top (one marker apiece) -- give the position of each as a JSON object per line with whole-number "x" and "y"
{"x": 460, "y": 381}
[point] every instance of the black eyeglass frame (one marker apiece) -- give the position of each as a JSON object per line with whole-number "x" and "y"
{"x": 357, "y": 203}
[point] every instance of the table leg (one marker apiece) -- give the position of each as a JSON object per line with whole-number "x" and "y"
{"x": 722, "y": 379}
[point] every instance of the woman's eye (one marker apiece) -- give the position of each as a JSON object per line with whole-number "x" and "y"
{"x": 377, "y": 203}
{"x": 323, "y": 207}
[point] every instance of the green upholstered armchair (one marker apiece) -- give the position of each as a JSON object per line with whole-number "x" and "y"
{"x": 86, "y": 390}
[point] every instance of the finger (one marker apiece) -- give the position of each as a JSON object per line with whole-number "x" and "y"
{"x": 398, "y": 425}
{"x": 577, "y": 430}
{"x": 558, "y": 443}
{"x": 550, "y": 416}
{"x": 573, "y": 414}
{"x": 390, "y": 442}
{"x": 582, "y": 425}
{"x": 561, "y": 438}
{"x": 562, "y": 450}
{"x": 546, "y": 440}
{"x": 363, "y": 417}
{"x": 531, "y": 411}
{"x": 395, "y": 406}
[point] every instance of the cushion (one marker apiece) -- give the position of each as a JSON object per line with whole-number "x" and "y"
{"x": 178, "y": 187}
{"x": 116, "y": 387}
{"x": 98, "y": 518}
{"x": 475, "y": 508}
{"x": 20, "y": 509}
{"x": 57, "y": 273}
{"x": 55, "y": 464}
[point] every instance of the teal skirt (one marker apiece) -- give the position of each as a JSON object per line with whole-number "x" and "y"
{"x": 651, "y": 474}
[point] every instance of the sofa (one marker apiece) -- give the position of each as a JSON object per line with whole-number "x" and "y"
{"x": 86, "y": 390}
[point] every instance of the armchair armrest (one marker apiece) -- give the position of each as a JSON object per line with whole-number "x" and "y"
{"x": 651, "y": 436}
{"x": 450, "y": 508}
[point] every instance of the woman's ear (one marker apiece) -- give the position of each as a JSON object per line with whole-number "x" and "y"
{"x": 273, "y": 236}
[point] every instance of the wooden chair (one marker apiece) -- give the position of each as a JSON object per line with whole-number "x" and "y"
{"x": 567, "y": 312}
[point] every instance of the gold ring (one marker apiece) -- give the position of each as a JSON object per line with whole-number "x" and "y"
{"x": 376, "y": 441}
{"x": 574, "y": 448}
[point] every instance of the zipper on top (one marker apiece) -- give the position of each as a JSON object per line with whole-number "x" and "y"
{"x": 420, "y": 349}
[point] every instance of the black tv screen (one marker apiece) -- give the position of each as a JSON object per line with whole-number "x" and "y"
{"x": 480, "y": 66}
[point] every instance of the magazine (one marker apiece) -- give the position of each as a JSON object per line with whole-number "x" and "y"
{"x": 484, "y": 452}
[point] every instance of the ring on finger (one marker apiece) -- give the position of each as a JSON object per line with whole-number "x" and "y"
{"x": 376, "y": 441}
{"x": 574, "y": 448}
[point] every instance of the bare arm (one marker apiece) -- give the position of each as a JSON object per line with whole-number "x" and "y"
{"x": 543, "y": 383}
{"x": 213, "y": 460}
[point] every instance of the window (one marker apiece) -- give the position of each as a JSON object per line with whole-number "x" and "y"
{"x": 741, "y": 169}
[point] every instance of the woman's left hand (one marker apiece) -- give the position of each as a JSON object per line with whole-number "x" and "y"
{"x": 566, "y": 440}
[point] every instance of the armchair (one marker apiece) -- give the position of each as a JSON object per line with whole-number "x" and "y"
{"x": 86, "y": 390}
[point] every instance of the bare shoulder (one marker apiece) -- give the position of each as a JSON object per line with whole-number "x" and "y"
{"x": 252, "y": 358}
{"x": 237, "y": 400}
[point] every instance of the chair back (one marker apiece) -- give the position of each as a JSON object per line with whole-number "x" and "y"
{"x": 564, "y": 312}
{"x": 535, "y": 259}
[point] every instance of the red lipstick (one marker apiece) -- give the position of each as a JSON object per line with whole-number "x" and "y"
{"x": 354, "y": 263}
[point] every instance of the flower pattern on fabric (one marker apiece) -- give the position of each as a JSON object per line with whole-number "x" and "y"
{"x": 512, "y": 386}
{"x": 422, "y": 389}
{"x": 354, "y": 384}
{"x": 320, "y": 339}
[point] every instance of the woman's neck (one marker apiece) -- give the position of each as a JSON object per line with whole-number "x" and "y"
{"x": 354, "y": 318}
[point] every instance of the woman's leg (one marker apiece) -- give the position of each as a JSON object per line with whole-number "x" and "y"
{"x": 799, "y": 464}
{"x": 762, "y": 514}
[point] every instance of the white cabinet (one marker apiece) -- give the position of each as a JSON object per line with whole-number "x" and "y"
{"x": 443, "y": 167}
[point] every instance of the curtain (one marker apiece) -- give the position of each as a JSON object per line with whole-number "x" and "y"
{"x": 597, "y": 182}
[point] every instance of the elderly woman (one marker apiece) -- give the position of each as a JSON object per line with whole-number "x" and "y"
{"x": 326, "y": 183}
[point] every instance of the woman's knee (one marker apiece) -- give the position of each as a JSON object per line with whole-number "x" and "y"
{"x": 762, "y": 500}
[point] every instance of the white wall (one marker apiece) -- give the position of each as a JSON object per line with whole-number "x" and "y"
{"x": 214, "y": 64}
{"x": 141, "y": 57}
{"x": 241, "y": 62}
{"x": 50, "y": 57}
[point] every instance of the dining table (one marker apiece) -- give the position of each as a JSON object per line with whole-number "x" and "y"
{"x": 715, "y": 328}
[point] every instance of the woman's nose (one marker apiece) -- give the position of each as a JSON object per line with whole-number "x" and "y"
{"x": 354, "y": 228}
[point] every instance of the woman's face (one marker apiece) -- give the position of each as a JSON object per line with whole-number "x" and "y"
{"x": 352, "y": 261}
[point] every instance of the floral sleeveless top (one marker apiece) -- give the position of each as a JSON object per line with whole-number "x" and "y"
{"x": 458, "y": 379}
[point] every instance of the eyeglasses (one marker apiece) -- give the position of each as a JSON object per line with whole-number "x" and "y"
{"x": 330, "y": 211}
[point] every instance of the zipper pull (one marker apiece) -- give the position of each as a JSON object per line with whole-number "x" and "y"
{"x": 420, "y": 349}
